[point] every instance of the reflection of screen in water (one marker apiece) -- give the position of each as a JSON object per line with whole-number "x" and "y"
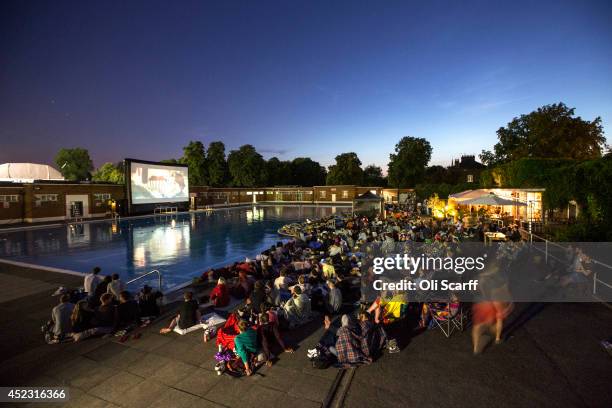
{"x": 151, "y": 183}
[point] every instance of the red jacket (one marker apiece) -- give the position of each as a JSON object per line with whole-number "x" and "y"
{"x": 220, "y": 296}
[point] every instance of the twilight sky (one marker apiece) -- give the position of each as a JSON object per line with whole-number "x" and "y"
{"x": 293, "y": 78}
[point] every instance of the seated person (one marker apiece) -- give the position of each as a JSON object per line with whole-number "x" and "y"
{"x": 328, "y": 269}
{"x": 387, "y": 310}
{"x": 281, "y": 284}
{"x": 373, "y": 336}
{"x": 103, "y": 321}
{"x": 147, "y": 302}
{"x": 101, "y": 289}
{"x": 305, "y": 286}
{"x": 257, "y": 297}
{"x": 245, "y": 344}
{"x": 333, "y": 301}
{"x": 115, "y": 287}
{"x": 442, "y": 311}
{"x": 81, "y": 317}
{"x": 243, "y": 288}
{"x": 220, "y": 296}
{"x": 297, "y": 310}
{"x": 61, "y": 325}
{"x": 188, "y": 315}
{"x": 268, "y": 333}
{"x": 128, "y": 314}
{"x": 349, "y": 344}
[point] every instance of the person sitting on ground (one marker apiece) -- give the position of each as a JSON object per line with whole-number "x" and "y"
{"x": 60, "y": 320}
{"x": 115, "y": 287}
{"x": 281, "y": 284}
{"x": 349, "y": 344}
{"x": 333, "y": 301}
{"x": 268, "y": 333}
{"x": 388, "y": 310}
{"x": 242, "y": 289}
{"x": 305, "y": 286}
{"x": 188, "y": 315}
{"x": 258, "y": 297}
{"x": 329, "y": 272}
{"x": 92, "y": 280}
{"x": 220, "y": 296}
{"x": 101, "y": 289}
{"x": 245, "y": 344}
{"x": 373, "y": 336}
{"x": 103, "y": 321}
{"x": 81, "y": 316}
{"x": 147, "y": 302}
{"x": 128, "y": 315}
{"x": 297, "y": 310}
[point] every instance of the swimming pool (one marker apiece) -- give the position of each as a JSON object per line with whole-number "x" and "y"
{"x": 180, "y": 247}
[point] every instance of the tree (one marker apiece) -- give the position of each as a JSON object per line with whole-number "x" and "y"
{"x": 218, "y": 172}
{"x": 74, "y": 164}
{"x": 247, "y": 168}
{"x": 372, "y": 176}
{"x": 170, "y": 161}
{"x": 347, "y": 170}
{"x": 278, "y": 172}
{"x": 109, "y": 173}
{"x": 436, "y": 175}
{"x": 306, "y": 172}
{"x": 551, "y": 131}
{"x": 194, "y": 156}
{"x": 407, "y": 164}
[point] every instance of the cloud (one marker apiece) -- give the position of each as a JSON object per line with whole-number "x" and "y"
{"x": 279, "y": 152}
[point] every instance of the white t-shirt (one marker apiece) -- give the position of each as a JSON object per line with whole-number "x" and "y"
{"x": 90, "y": 282}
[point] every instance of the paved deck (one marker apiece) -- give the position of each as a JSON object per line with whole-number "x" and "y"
{"x": 551, "y": 358}
{"x": 153, "y": 371}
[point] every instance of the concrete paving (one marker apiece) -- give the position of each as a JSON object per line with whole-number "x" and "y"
{"x": 155, "y": 370}
{"x": 551, "y": 357}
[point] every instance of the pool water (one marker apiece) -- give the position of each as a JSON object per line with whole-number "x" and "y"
{"x": 180, "y": 247}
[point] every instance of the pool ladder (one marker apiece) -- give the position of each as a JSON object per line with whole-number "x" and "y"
{"x": 159, "y": 278}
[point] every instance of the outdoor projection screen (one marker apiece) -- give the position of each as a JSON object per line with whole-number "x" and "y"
{"x": 152, "y": 183}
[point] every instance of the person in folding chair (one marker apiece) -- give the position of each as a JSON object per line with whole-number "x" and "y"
{"x": 445, "y": 316}
{"x": 387, "y": 310}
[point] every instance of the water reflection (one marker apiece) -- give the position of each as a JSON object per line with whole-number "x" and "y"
{"x": 180, "y": 246}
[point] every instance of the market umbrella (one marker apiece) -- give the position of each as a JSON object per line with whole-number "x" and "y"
{"x": 491, "y": 199}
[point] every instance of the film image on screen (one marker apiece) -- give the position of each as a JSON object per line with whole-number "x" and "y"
{"x": 158, "y": 183}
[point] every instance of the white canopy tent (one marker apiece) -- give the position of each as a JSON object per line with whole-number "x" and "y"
{"x": 28, "y": 172}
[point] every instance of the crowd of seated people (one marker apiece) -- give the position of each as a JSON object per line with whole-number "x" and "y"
{"x": 103, "y": 308}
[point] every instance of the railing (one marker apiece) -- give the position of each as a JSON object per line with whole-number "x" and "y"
{"x": 159, "y": 278}
{"x": 547, "y": 254}
{"x": 165, "y": 210}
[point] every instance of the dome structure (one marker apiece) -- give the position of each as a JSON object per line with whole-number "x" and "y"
{"x": 28, "y": 172}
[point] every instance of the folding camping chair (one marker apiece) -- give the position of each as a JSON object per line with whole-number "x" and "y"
{"x": 447, "y": 318}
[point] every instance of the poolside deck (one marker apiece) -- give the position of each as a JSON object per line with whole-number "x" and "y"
{"x": 551, "y": 358}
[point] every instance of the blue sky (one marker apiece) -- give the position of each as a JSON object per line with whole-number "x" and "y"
{"x": 292, "y": 78}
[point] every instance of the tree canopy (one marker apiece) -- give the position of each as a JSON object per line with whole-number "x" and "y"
{"x": 218, "y": 172}
{"x": 247, "y": 168}
{"x": 347, "y": 170}
{"x": 407, "y": 164}
{"x": 109, "y": 173}
{"x": 194, "y": 156}
{"x": 551, "y": 131}
{"x": 373, "y": 176}
{"x": 74, "y": 164}
{"x": 307, "y": 172}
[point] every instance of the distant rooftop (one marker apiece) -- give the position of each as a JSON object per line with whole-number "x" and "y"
{"x": 28, "y": 172}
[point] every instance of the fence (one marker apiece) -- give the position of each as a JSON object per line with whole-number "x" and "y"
{"x": 556, "y": 251}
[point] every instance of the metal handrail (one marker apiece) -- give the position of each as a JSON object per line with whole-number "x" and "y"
{"x": 159, "y": 278}
{"x": 596, "y": 280}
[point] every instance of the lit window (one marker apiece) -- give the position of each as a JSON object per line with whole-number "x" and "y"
{"x": 470, "y": 178}
{"x": 344, "y": 194}
{"x": 323, "y": 194}
{"x": 46, "y": 197}
{"x": 9, "y": 198}
{"x": 102, "y": 196}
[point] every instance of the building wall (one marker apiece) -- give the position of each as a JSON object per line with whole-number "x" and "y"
{"x": 11, "y": 211}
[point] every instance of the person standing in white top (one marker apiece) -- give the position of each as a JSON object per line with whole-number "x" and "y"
{"x": 91, "y": 281}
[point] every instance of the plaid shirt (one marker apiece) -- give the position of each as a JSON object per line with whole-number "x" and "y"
{"x": 349, "y": 347}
